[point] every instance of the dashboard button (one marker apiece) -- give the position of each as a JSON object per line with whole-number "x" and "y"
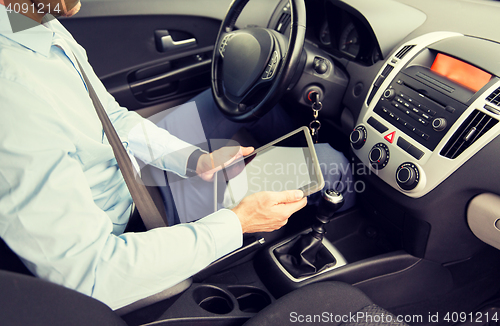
{"x": 423, "y": 121}
{"x": 410, "y": 127}
{"x": 403, "y": 144}
{"x": 377, "y": 125}
{"x": 390, "y": 137}
{"x": 397, "y": 105}
{"x": 320, "y": 66}
{"x": 409, "y": 148}
{"x": 415, "y": 152}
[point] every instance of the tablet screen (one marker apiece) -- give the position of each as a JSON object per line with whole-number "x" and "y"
{"x": 286, "y": 164}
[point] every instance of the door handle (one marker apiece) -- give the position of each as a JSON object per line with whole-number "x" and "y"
{"x": 167, "y": 43}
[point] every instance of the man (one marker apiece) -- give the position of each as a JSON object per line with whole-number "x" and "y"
{"x": 63, "y": 202}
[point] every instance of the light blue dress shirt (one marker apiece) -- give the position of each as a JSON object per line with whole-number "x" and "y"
{"x": 63, "y": 201}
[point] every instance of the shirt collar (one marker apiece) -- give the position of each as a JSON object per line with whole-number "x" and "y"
{"x": 37, "y": 38}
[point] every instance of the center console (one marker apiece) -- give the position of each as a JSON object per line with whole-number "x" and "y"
{"x": 432, "y": 106}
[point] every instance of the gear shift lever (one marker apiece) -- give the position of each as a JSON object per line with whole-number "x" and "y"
{"x": 306, "y": 255}
{"x": 331, "y": 202}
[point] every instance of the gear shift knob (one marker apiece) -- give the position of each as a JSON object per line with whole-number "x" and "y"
{"x": 306, "y": 254}
{"x": 331, "y": 202}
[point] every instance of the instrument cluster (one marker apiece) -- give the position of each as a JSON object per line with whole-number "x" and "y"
{"x": 344, "y": 35}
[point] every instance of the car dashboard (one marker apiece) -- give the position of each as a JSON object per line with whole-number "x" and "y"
{"x": 422, "y": 99}
{"x": 421, "y": 108}
{"x": 411, "y": 96}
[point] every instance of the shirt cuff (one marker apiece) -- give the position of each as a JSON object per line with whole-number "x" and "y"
{"x": 225, "y": 227}
{"x": 178, "y": 164}
{"x": 192, "y": 162}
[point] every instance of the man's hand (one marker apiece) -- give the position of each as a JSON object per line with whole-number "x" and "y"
{"x": 208, "y": 164}
{"x": 268, "y": 211}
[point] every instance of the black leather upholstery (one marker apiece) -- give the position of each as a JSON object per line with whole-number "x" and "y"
{"x": 26, "y": 300}
{"x": 331, "y": 303}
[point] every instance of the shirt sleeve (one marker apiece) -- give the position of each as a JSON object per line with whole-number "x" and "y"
{"x": 146, "y": 141}
{"x": 49, "y": 218}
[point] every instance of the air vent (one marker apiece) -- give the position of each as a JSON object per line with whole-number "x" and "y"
{"x": 404, "y": 51}
{"x": 476, "y": 125}
{"x": 285, "y": 19}
{"x": 380, "y": 79}
{"x": 387, "y": 70}
{"x": 494, "y": 97}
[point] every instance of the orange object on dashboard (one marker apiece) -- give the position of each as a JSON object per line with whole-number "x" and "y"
{"x": 460, "y": 72}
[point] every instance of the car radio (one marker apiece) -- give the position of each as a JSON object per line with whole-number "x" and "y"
{"x": 425, "y": 118}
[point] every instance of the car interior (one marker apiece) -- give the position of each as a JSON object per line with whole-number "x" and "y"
{"x": 410, "y": 93}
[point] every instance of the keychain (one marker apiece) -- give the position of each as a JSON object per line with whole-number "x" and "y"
{"x": 315, "y": 125}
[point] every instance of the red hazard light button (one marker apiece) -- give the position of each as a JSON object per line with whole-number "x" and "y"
{"x": 390, "y": 137}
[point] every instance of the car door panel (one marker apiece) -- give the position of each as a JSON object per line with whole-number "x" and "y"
{"x": 127, "y": 55}
{"x": 154, "y": 53}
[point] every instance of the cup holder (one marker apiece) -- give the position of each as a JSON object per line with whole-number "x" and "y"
{"x": 213, "y": 299}
{"x": 250, "y": 299}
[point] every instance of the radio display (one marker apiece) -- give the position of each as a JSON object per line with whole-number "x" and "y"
{"x": 460, "y": 72}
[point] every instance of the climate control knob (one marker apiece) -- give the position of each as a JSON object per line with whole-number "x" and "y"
{"x": 358, "y": 137}
{"x": 407, "y": 176}
{"x": 379, "y": 156}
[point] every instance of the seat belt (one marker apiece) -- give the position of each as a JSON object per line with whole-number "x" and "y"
{"x": 149, "y": 212}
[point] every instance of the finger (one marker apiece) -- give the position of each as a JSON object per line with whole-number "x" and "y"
{"x": 288, "y": 196}
{"x": 243, "y": 151}
{"x": 246, "y": 150}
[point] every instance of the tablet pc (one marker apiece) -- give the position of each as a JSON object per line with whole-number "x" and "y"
{"x": 287, "y": 163}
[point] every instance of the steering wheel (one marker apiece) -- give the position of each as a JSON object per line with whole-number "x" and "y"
{"x": 252, "y": 68}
